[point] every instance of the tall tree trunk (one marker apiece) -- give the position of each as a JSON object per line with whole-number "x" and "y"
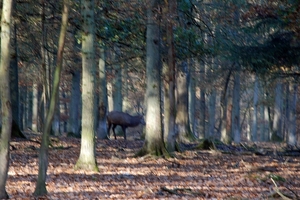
{"x": 192, "y": 99}
{"x": 35, "y": 106}
{"x": 170, "y": 134}
{"x": 6, "y": 117}
{"x": 292, "y": 120}
{"x": 278, "y": 113}
{"x": 102, "y": 126}
{"x": 226, "y": 103}
{"x": 74, "y": 122}
{"x": 255, "y": 112}
{"x": 182, "y": 117}
{"x": 211, "y": 113}
{"x": 153, "y": 138}
{"x": 14, "y": 80}
{"x": 202, "y": 108}
{"x": 40, "y": 188}
{"x": 236, "y": 108}
{"x": 75, "y": 102}
{"x": 87, "y": 157}
{"x": 117, "y": 87}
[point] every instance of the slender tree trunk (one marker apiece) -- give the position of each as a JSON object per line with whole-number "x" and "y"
{"x": 117, "y": 90}
{"x": 40, "y": 188}
{"x": 87, "y": 157}
{"x": 153, "y": 138}
{"x": 211, "y": 113}
{"x": 277, "y": 121}
{"x": 14, "y": 80}
{"x": 292, "y": 120}
{"x": 192, "y": 100}
{"x": 102, "y": 127}
{"x": 75, "y": 102}
{"x": 255, "y": 112}
{"x": 202, "y": 108}
{"x": 74, "y": 122}
{"x": 35, "y": 106}
{"x": 226, "y": 103}
{"x": 6, "y": 112}
{"x": 236, "y": 108}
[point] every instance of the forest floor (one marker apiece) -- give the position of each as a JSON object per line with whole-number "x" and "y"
{"x": 249, "y": 171}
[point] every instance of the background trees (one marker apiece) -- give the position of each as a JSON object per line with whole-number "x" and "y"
{"x": 239, "y": 59}
{"x": 214, "y": 39}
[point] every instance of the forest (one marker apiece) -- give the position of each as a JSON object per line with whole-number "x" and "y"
{"x": 205, "y": 93}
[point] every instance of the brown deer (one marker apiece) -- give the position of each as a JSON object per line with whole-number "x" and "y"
{"x": 124, "y": 120}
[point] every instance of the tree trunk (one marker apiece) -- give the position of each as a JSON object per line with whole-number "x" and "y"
{"x": 117, "y": 87}
{"x": 6, "y": 112}
{"x": 202, "y": 108}
{"x": 292, "y": 121}
{"x": 40, "y": 188}
{"x": 226, "y": 103}
{"x": 74, "y": 122}
{"x": 278, "y": 114}
{"x": 254, "y": 115}
{"x": 14, "y": 81}
{"x": 182, "y": 117}
{"x": 102, "y": 126}
{"x": 35, "y": 105}
{"x": 170, "y": 134}
{"x": 236, "y": 108}
{"x": 211, "y": 113}
{"x": 87, "y": 157}
{"x": 192, "y": 100}
{"x": 153, "y": 138}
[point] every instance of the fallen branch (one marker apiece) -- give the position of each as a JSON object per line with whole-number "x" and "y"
{"x": 278, "y": 192}
{"x": 182, "y": 191}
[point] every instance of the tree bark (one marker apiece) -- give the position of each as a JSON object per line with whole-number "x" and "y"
{"x": 102, "y": 126}
{"x": 255, "y": 111}
{"x": 87, "y": 157}
{"x": 182, "y": 117}
{"x": 6, "y": 111}
{"x": 292, "y": 121}
{"x": 40, "y": 188}
{"x": 170, "y": 134}
{"x": 153, "y": 138}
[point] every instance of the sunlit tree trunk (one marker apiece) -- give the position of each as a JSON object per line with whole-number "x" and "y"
{"x": 153, "y": 138}
{"x": 6, "y": 112}
{"x": 87, "y": 157}
{"x": 102, "y": 126}
{"x": 35, "y": 105}
{"x": 40, "y": 188}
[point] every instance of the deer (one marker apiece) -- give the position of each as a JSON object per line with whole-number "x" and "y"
{"x": 115, "y": 118}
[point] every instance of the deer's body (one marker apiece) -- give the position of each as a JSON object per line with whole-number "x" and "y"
{"x": 115, "y": 118}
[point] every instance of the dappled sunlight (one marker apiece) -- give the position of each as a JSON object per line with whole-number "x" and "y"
{"x": 192, "y": 174}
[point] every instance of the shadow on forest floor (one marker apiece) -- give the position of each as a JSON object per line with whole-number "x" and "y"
{"x": 247, "y": 170}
